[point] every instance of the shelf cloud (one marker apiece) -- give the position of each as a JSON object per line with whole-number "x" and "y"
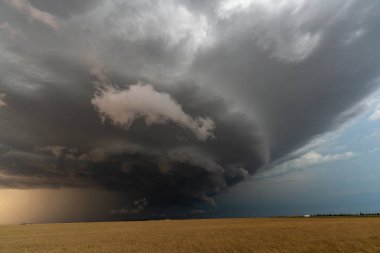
{"x": 173, "y": 101}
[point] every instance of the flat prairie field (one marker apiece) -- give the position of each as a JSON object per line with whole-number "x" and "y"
{"x": 312, "y": 235}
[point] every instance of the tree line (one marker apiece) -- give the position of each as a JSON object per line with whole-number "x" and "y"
{"x": 347, "y": 214}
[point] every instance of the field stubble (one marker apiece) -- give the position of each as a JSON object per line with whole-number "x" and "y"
{"x": 189, "y": 236}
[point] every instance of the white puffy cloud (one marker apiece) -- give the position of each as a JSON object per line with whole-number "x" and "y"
{"x": 373, "y": 105}
{"x": 313, "y": 158}
{"x": 33, "y": 13}
{"x": 306, "y": 160}
{"x": 375, "y": 115}
{"x": 123, "y": 107}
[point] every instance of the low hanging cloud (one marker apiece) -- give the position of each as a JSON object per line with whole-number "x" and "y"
{"x": 25, "y": 7}
{"x": 123, "y": 107}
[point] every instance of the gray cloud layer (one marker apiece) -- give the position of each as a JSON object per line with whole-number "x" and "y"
{"x": 234, "y": 85}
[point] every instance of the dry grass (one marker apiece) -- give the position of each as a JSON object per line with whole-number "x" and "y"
{"x": 220, "y": 235}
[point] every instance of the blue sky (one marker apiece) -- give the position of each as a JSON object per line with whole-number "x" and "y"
{"x": 336, "y": 173}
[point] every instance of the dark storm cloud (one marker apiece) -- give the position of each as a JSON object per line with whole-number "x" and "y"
{"x": 164, "y": 163}
{"x": 296, "y": 93}
{"x": 226, "y": 87}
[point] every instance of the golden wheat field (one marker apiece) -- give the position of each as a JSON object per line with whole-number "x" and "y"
{"x": 190, "y": 236}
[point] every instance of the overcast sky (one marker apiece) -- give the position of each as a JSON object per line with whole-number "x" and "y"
{"x": 119, "y": 109}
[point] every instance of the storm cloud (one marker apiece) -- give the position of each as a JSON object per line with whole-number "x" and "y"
{"x": 174, "y": 101}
